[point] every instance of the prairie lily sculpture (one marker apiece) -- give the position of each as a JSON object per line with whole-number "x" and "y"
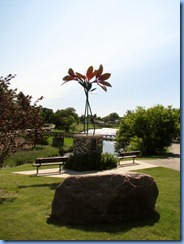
{"x": 86, "y": 81}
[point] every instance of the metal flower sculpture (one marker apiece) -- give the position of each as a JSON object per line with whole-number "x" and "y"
{"x": 86, "y": 81}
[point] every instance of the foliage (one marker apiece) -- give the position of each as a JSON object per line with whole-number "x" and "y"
{"x": 47, "y": 114}
{"x": 42, "y": 139}
{"x": 108, "y": 161}
{"x": 86, "y": 81}
{"x": 65, "y": 119}
{"x": 83, "y": 162}
{"x": 149, "y": 130}
{"x": 65, "y": 149}
{"x": 135, "y": 144}
{"x": 20, "y": 122}
{"x": 91, "y": 161}
{"x": 112, "y": 117}
{"x": 25, "y": 204}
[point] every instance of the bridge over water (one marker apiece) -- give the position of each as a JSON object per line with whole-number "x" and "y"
{"x": 106, "y": 137}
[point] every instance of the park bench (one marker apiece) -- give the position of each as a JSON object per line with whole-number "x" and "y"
{"x": 50, "y": 161}
{"x": 130, "y": 154}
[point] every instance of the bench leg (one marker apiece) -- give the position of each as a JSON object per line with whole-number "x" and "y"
{"x": 37, "y": 169}
{"x": 60, "y": 168}
{"x": 133, "y": 160}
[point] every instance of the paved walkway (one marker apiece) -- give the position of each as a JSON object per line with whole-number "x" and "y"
{"x": 125, "y": 166}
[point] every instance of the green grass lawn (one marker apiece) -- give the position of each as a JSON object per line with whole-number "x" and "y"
{"x": 25, "y": 205}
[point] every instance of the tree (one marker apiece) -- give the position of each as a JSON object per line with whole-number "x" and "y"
{"x": 47, "y": 114}
{"x": 112, "y": 117}
{"x": 65, "y": 119}
{"x": 20, "y": 122}
{"x": 149, "y": 130}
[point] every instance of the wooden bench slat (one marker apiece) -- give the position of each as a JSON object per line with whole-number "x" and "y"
{"x": 51, "y": 159}
{"x": 133, "y": 156}
{"x": 130, "y": 154}
{"x": 47, "y": 164}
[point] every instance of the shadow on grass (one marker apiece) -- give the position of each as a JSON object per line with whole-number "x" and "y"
{"x": 51, "y": 186}
{"x": 122, "y": 226}
{"x": 7, "y": 199}
{"x": 163, "y": 155}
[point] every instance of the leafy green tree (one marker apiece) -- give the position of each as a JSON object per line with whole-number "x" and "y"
{"x": 177, "y": 113}
{"x": 149, "y": 130}
{"x": 112, "y": 117}
{"x": 47, "y": 114}
{"x": 65, "y": 119}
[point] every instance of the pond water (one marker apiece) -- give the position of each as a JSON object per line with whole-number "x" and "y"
{"x": 104, "y": 131}
{"x": 108, "y": 146}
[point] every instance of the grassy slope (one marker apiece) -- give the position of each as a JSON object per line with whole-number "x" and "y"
{"x": 25, "y": 204}
{"x": 29, "y": 156}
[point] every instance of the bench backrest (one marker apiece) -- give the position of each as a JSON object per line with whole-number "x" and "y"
{"x": 130, "y": 153}
{"x": 52, "y": 159}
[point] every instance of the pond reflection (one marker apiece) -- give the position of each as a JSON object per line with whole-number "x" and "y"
{"x": 108, "y": 146}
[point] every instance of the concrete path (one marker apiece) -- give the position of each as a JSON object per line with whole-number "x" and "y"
{"x": 125, "y": 166}
{"x": 171, "y": 162}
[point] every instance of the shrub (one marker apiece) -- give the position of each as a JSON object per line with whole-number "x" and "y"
{"x": 108, "y": 161}
{"x": 65, "y": 149}
{"x": 156, "y": 127}
{"x": 83, "y": 162}
{"x": 135, "y": 144}
{"x": 91, "y": 161}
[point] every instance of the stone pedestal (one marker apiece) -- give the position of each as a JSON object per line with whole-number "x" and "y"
{"x": 87, "y": 144}
{"x": 58, "y": 141}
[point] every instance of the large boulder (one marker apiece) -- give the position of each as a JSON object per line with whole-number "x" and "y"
{"x": 104, "y": 198}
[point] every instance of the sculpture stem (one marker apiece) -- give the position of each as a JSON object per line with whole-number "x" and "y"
{"x": 86, "y": 114}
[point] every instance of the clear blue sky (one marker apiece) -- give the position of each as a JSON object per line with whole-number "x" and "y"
{"x": 137, "y": 41}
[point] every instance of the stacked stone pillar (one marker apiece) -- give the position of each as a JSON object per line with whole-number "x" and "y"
{"x": 87, "y": 144}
